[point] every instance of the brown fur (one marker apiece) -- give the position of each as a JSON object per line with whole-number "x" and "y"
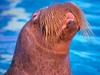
{"x": 43, "y": 44}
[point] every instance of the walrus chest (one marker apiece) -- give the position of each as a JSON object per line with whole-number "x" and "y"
{"x": 43, "y": 66}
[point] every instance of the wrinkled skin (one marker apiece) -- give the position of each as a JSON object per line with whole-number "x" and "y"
{"x": 40, "y": 52}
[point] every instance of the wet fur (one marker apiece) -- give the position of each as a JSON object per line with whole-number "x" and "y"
{"x": 38, "y": 43}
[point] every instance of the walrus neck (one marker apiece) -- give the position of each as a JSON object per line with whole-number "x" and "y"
{"x": 38, "y": 58}
{"x": 50, "y": 63}
{"x": 61, "y": 48}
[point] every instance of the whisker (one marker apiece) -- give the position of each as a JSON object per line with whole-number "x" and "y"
{"x": 86, "y": 28}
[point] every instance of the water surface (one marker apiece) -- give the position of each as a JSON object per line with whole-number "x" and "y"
{"x": 84, "y": 55}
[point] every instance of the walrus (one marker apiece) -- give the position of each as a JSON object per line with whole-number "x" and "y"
{"x": 43, "y": 44}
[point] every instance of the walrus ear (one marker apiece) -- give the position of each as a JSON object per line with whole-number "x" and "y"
{"x": 35, "y": 15}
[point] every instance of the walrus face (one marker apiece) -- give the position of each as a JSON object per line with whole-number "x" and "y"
{"x": 69, "y": 28}
{"x": 57, "y": 23}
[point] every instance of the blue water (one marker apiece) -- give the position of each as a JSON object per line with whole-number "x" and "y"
{"x": 84, "y": 54}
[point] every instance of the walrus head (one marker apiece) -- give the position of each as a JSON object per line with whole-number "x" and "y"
{"x": 59, "y": 23}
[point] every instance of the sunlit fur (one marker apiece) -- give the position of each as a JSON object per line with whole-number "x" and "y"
{"x": 51, "y": 21}
{"x": 33, "y": 55}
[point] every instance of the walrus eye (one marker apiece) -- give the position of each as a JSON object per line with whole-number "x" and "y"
{"x": 70, "y": 24}
{"x": 70, "y": 18}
